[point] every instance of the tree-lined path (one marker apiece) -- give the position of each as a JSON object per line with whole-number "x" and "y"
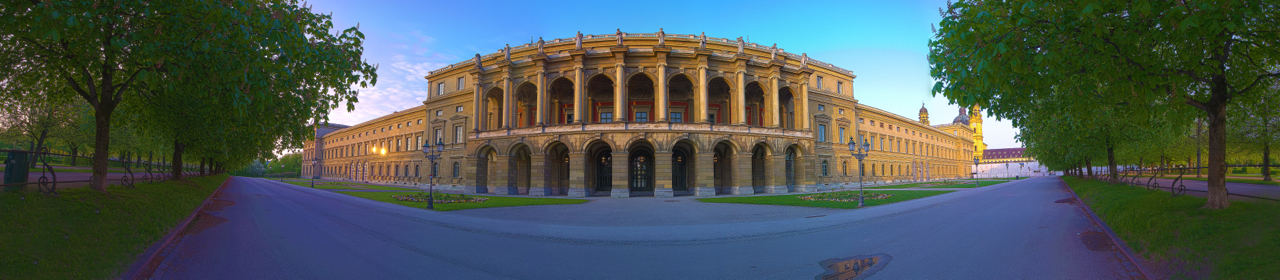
{"x": 263, "y": 229}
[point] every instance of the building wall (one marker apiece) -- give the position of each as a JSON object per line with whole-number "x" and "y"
{"x": 506, "y": 124}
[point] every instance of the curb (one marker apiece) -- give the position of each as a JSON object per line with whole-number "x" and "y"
{"x": 140, "y": 269}
{"x": 1111, "y": 234}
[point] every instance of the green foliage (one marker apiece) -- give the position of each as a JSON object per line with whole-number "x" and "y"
{"x": 84, "y": 234}
{"x": 1237, "y": 243}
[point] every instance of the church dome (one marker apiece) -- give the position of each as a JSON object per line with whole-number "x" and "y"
{"x": 962, "y": 118}
{"x": 923, "y": 111}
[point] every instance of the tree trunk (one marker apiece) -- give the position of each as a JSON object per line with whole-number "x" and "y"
{"x": 101, "y": 146}
{"x": 177, "y": 160}
{"x": 1266, "y": 161}
{"x": 202, "y": 166}
{"x": 39, "y": 145}
{"x": 1217, "y": 111}
{"x": 1088, "y": 166}
{"x": 74, "y": 152}
{"x": 1111, "y": 163}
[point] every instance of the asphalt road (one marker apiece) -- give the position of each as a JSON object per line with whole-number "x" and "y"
{"x": 258, "y": 229}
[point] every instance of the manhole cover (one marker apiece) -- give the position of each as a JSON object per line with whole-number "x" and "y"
{"x": 856, "y": 267}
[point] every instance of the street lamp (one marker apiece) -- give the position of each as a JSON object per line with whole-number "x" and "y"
{"x": 977, "y": 182}
{"x": 313, "y": 170}
{"x": 432, "y": 155}
{"x": 859, "y": 154}
{"x": 1020, "y": 164}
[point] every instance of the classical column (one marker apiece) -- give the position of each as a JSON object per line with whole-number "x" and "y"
{"x": 661, "y": 97}
{"x": 702, "y": 95}
{"x": 771, "y": 103}
{"x": 538, "y": 184}
{"x": 739, "y": 99}
{"x": 507, "y": 102}
{"x": 777, "y": 173}
{"x": 705, "y": 176}
{"x": 621, "y": 176}
{"x": 803, "y": 105}
{"x": 619, "y": 94}
{"x": 541, "y": 108}
{"x": 577, "y": 175}
{"x": 478, "y": 110}
{"x": 662, "y": 175}
{"x": 498, "y": 184}
{"x": 579, "y": 100}
{"x": 742, "y": 174}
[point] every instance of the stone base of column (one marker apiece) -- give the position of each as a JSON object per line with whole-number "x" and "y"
{"x": 539, "y": 191}
{"x": 743, "y": 190}
{"x": 577, "y": 192}
{"x": 806, "y": 188}
{"x": 775, "y": 189}
{"x": 620, "y": 193}
{"x": 663, "y": 192}
{"x": 704, "y": 191}
{"x": 475, "y": 189}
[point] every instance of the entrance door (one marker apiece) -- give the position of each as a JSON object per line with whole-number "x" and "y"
{"x": 604, "y": 172}
{"x": 791, "y": 170}
{"x": 758, "y": 170}
{"x": 679, "y": 174}
{"x": 641, "y": 171}
{"x": 564, "y": 176}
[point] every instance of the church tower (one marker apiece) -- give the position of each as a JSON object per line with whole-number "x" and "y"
{"x": 924, "y": 115}
{"x": 975, "y": 122}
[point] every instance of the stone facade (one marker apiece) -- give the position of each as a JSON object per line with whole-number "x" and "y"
{"x": 703, "y": 117}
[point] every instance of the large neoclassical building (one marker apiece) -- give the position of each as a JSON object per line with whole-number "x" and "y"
{"x": 642, "y": 114}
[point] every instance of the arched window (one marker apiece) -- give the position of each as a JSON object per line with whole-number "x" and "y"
{"x": 435, "y": 169}
{"x": 844, "y": 168}
{"x": 456, "y": 170}
{"x": 824, "y": 168}
{"x": 395, "y": 170}
{"x": 415, "y": 171}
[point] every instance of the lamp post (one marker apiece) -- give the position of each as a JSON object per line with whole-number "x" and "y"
{"x": 977, "y": 182}
{"x": 1020, "y": 164}
{"x": 432, "y": 155}
{"x": 313, "y": 170}
{"x": 859, "y": 154}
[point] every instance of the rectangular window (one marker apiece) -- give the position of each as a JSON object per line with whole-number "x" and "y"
{"x": 458, "y": 109}
{"x": 397, "y": 144}
{"x": 399, "y": 126}
{"x": 642, "y": 116}
{"x": 439, "y": 112}
{"x": 438, "y": 136}
{"x": 822, "y": 107}
{"x": 440, "y": 88}
{"x": 841, "y": 140}
{"x": 882, "y": 143}
{"x": 457, "y": 134}
{"x": 822, "y": 133}
{"x": 461, "y": 81}
{"x": 677, "y": 117}
{"x": 711, "y": 117}
{"x": 417, "y": 142}
{"x": 419, "y": 121}
{"x": 606, "y": 117}
{"x": 819, "y": 82}
{"x": 842, "y": 111}
{"x": 840, "y": 87}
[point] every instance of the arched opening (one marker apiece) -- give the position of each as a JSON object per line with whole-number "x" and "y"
{"x": 492, "y": 110}
{"x": 518, "y": 165}
{"x": 790, "y": 164}
{"x": 682, "y": 168}
{"x": 754, "y": 102}
{"x": 640, "y": 169}
{"x": 557, "y": 167}
{"x": 722, "y": 160}
{"x": 487, "y": 157}
{"x": 600, "y": 96}
{"x": 718, "y": 94}
{"x": 786, "y": 109}
{"x": 526, "y": 106}
{"x": 759, "y": 169}
{"x": 640, "y": 99}
{"x": 561, "y": 95}
{"x": 680, "y": 99}
{"x": 599, "y": 167}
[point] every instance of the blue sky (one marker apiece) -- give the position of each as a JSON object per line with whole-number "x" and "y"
{"x": 885, "y": 43}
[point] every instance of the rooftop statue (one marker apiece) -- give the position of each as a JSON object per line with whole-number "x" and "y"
{"x": 773, "y": 54}
{"x": 662, "y": 37}
{"x": 577, "y": 41}
{"x": 702, "y": 41}
{"x": 619, "y": 35}
{"x": 740, "y": 44}
{"x": 540, "y": 43}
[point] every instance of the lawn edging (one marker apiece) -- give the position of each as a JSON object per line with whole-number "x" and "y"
{"x": 1124, "y": 248}
{"x": 145, "y": 266}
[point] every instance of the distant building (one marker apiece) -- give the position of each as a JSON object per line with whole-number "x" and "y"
{"x": 1011, "y": 162}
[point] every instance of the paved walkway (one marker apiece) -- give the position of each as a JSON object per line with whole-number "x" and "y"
{"x": 258, "y": 229}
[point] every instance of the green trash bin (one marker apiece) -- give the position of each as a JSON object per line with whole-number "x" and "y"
{"x": 15, "y": 171}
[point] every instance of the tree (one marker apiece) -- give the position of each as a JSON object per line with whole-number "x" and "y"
{"x": 1257, "y": 126}
{"x": 1203, "y": 55}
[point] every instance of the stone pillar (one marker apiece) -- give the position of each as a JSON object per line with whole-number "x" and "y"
{"x": 802, "y": 106}
{"x": 739, "y": 99}
{"x": 579, "y": 100}
{"x": 621, "y": 179}
{"x": 478, "y": 112}
{"x": 771, "y": 103}
{"x": 619, "y": 94}
{"x": 701, "y": 106}
{"x": 540, "y": 109}
{"x": 577, "y": 175}
{"x": 538, "y": 184}
{"x": 472, "y": 183}
{"x": 777, "y": 173}
{"x": 507, "y": 101}
{"x": 661, "y": 99}
{"x": 742, "y": 174}
{"x": 806, "y": 178}
{"x": 662, "y": 175}
{"x": 704, "y": 176}
{"x": 499, "y": 183}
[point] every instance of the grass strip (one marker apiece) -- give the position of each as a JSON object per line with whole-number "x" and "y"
{"x": 794, "y": 199}
{"x": 85, "y": 234}
{"x": 1240, "y": 242}
{"x": 494, "y": 201}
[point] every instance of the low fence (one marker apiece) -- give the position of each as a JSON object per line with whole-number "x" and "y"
{"x": 17, "y": 171}
{"x": 1146, "y": 177}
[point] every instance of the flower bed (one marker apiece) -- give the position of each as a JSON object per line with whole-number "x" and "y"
{"x": 844, "y": 196}
{"x": 441, "y": 198}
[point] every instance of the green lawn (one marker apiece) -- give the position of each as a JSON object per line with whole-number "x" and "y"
{"x": 85, "y": 234}
{"x": 494, "y": 201}
{"x": 346, "y": 186}
{"x": 1240, "y": 242}
{"x": 794, "y": 199}
{"x": 1233, "y": 180}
